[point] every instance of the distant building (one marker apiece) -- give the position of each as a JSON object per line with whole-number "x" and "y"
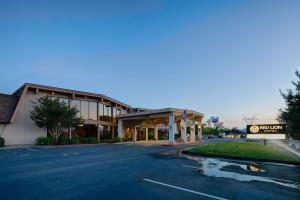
{"x": 214, "y": 122}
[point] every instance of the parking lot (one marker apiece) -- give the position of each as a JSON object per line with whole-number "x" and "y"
{"x": 124, "y": 171}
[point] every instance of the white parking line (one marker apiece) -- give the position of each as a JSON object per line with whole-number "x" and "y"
{"x": 184, "y": 189}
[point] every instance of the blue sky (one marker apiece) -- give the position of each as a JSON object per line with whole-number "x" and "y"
{"x": 226, "y": 58}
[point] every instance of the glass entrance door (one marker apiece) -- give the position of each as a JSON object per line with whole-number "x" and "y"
{"x": 188, "y": 133}
{"x": 141, "y": 134}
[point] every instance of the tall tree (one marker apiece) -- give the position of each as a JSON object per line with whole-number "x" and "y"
{"x": 291, "y": 114}
{"x": 54, "y": 115}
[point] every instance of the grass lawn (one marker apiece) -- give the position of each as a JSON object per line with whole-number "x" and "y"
{"x": 245, "y": 150}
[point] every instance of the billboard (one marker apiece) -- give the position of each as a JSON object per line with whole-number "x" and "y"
{"x": 215, "y": 120}
{"x": 266, "y": 131}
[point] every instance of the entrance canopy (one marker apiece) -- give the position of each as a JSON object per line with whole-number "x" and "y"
{"x": 172, "y": 124}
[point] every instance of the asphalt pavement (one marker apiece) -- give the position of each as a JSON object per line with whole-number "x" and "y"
{"x": 124, "y": 171}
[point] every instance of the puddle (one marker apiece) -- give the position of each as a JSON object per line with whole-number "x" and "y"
{"x": 213, "y": 168}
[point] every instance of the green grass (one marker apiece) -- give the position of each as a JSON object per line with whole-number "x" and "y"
{"x": 245, "y": 150}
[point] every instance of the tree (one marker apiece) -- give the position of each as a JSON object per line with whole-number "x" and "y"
{"x": 54, "y": 115}
{"x": 209, "y": 130}
{"x": 291, "y": 114}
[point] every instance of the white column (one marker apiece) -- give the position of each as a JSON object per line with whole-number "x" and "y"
{"x": 98, "y": 132}
{"x": 146, "y": 133}
{"x": 183, "y": 130}
{"x": 156, "y": 133}
{"x": 171, "y": 129}
{"x": 134, "y": 134}
{"x": 193, "y": 133}
{"x": 199, "y": 133}
{"x": 120, "y": 129}
{"x": 70, "y": 132}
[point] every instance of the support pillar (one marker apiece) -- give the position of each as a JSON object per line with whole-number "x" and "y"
{"x": 70, "y": 132}
{"x": 69, "y": 104}
{"x": 156, "y": 133}
{"x": 120, "y": 129}
{"x": 199, "y": 133}
{"x": 183, "y": 131}
{"x": 134, "y": 134}
{"x": 193, "y": 130}
{"x": 146, "y": 129}
{"x": 98, "y": 132}
{"x": 113, "y": 132}
{"x": 171, "y": 129}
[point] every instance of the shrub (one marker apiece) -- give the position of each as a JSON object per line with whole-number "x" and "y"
{"x": 105, "y": 140}
{"x": 89, "y": 140}
{"x": 2, "y": 142}
{"x": 162, "y": 137}
{"x": 45, "y": 141}
{"x": 64, "y": 140}
{"x": 75, "y": 140}
{"x": 151, "y": 136}
{"x": 126, "y": 139}
{"x": 116, "y": 139}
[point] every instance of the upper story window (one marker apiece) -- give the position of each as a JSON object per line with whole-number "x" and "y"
{"x": 66, "y": 101}
{"x": 118, "y": 111}
{"x": 76, "y": 103}
{"x": 107, "y": 113}
{"x": 100, "y": 111}
{"x": 93, "y": 110}
{"x": 107, "y": 110}
{"x": 84, "y": 109}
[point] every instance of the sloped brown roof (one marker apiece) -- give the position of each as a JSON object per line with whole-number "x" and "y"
{"x": 8, "y": 104}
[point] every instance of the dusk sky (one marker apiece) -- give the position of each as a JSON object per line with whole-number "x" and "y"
{"x": 221, "y": 58}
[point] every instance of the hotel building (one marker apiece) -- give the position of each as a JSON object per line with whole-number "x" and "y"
{"x": 104, "y": 118}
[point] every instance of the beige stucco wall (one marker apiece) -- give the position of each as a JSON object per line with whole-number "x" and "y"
{"x": 23, "y": 130}
{"x": 1, "y": 129}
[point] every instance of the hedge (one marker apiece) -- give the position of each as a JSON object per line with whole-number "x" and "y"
{"x": 75, "y": 140}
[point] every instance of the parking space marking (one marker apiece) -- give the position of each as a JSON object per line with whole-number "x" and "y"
{"x": 184, "y": 189}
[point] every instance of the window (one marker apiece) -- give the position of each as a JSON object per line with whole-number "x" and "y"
{"x": 76, "y": 104}
{"x": 107, "y": 113}
{"x": 84, "y": 109}
{"x": 118, "y": 112}
{"x": 100, "y": 111}
{"x": 124, "y": 111}
{"x": 93, "y": 110}
{"x": 64, "y": 100}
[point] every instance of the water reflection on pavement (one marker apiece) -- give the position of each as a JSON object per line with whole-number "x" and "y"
{"x": 213, "y": 168}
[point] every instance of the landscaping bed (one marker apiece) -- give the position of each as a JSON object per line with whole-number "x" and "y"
{"x": 75, "y": 140}
{"x": 245, "y": 151}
